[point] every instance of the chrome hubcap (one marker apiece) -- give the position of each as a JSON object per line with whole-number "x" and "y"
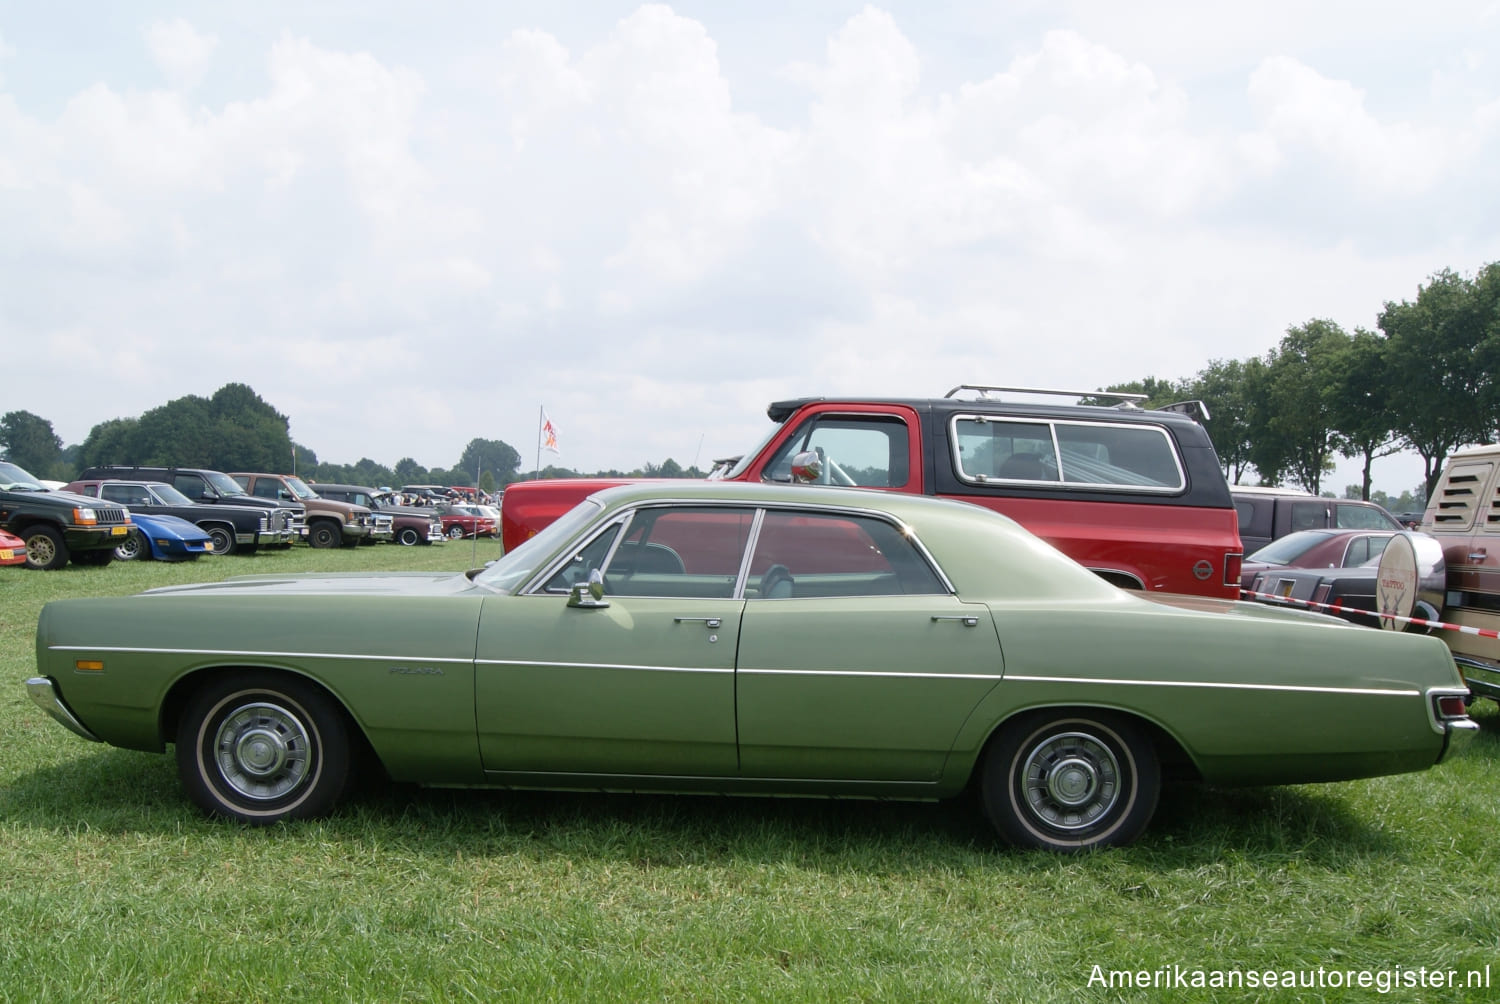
{"x": 262, "y": 751}
{"x": 1070, "y": 780}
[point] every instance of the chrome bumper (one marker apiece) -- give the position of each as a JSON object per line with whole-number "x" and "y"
{"x": 44, "y": 695}
{"x": 1483, "y": 678}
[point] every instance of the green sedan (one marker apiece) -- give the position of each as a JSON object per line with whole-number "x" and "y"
{"x": 718, "y": 637}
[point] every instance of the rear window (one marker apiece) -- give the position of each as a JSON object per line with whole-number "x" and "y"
{"x": 1078, "y": 454}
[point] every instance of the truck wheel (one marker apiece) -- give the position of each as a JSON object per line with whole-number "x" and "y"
{"x": 220, "y": 539}
{"x": 45, "y": 548}
{"x": 324, "y": 534}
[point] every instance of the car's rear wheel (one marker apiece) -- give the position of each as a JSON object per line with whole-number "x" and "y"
{"x": 133, "y": 547}
{"x": 45, "y": 548}
{"x": 220, "y": 539}
{"x": 262, "y": 748}
{"x": 1070, "y": 781}
{"x": 408, "y": 537}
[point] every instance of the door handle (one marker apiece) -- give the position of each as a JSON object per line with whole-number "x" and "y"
{"x": 967, "y": 620}
{"x": 1477, "y": 557}
{"x": 708, "y": 622}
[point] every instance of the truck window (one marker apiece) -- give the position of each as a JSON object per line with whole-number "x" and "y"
{"x": 869, "y": 451}
{"x": 1082, "y": 454}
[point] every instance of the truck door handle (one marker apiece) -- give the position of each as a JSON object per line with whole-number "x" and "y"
{"x": 1477, "y": 557}
{"x": 712, "y": 623}
{"x": 967, "y": 620}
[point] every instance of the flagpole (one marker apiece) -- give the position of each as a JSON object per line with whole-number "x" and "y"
{"x": 541, "y": 410}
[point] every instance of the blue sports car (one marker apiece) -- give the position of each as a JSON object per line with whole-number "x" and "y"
{"x": 165, "y": 538}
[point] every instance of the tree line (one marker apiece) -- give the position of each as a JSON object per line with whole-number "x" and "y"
{"x": 1421, "y": 380}
{"x": 236, "y": 430}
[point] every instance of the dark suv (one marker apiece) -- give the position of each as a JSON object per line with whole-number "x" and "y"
{"x": 58, "y": 526}
{"x": 1267, "y": 514}
{"x": 285, "y": 519}
{"x": 1137, "y": 496}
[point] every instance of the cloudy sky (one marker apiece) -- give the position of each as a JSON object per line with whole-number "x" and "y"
{"x": 407, "y": 225}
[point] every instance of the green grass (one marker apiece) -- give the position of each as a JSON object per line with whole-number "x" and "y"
{"x": 113, "y": 888}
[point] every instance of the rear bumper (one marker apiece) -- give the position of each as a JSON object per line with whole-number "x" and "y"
{"x": 1482, "y": 677}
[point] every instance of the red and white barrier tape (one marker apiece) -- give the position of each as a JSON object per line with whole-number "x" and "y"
{"x": 1339, "y": 608}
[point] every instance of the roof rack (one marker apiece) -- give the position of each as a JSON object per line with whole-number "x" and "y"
{"x": 985, "y": 391}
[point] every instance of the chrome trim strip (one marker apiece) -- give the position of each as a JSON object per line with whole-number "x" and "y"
{"x": 254, "y": 654}
{"x": 872, "y": 673}
{"x": 1210, "y": 685}
{"x": 44, "y": 695}
{"x": 602, "y": 665}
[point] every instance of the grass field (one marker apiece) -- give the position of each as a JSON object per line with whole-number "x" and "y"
{"x": 113, "y": 888}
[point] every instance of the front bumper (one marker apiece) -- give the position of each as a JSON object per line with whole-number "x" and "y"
{"x": 44, "y": 694}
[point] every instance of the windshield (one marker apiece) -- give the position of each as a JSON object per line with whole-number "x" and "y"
{"x": 168, "y": 495}
{"x": 743, "y": 463}
{"x": 518, "y": 565}
{"x": 1288, "y": 548}
{"x": 223, "y": 483}
{"x": 13, "y": 478}
{"x": 299, "y": 488}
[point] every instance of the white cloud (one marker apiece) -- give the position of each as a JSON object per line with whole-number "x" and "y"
{"x": 180, "y": 51}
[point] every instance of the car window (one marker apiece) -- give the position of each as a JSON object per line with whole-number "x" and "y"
{"x": 1309, "y": 515}
{"x": 1362, "y": 549}
{"x": 864, "y": 450}
{"x": 1361, "y": 517}
{"x": 681, "y": 551}
{"x": 1082, "y": 454}
{"x": 803, "y": 554}
{"x": 189, "y": 484}
{"x": 126, "y": 495}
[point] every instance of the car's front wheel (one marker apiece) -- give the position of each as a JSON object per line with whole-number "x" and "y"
{"x": 455, "y": 532}
{"x": 408, "y": 537}
{"x": 45, "y": 548}
{"x": 1070, "y": 781}
{"x": 133, "y": 547}
{"x": 323, "y": 534}
{"x": 262, "y": 748}
{"x": 220, "y": 539}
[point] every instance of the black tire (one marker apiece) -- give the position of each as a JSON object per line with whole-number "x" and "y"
{"x": 324, "y": 534}
{"x": 408, "y": 536}
{"x": 220, "y": 539}
{"x": 263, "y": 748}
{"x": 134, "y": 547}
{"x": 1070, "y": 781}
{"x": 455, "y": 532}
{"x": 95, "y": 557}
{"x": 45, "y": 548}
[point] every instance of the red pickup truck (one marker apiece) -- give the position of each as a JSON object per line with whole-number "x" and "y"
{"x": 1137, "y": 496}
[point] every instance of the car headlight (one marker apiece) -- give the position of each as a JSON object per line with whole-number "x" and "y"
{"x": 86, "y": 517}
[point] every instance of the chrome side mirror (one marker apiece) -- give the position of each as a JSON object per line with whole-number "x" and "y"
{"x": 807, "y": 468}
{"x": 589, "y": 595}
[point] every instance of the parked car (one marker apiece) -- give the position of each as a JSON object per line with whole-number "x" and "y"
{"x": 12, "y": 549}
{"x": 410, "y": 524}
{"x": 748, "y": 638}
{"x": 1267, "y": 514}
{"x": 464, "y": 521}
{"x": 58, "y": 527}
{"x": 286, "y": 520}
{"x": 1312, "y": 549}
{"x": 229, "y": 528}
{"x": 163, "y": 537}
{"x": 1137, "y": 496}
{"x": 1461, "y": 587}
{"x": 330, "y": 522}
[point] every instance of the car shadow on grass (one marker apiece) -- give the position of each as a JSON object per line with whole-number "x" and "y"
{"x": 122, "y": 791}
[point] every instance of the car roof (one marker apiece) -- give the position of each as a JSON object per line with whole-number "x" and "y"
{"x": 897, "y": 504}
{"x": 780, "y": 411}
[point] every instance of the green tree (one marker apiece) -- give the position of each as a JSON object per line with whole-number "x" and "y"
{"x": 111, "y": 442}
{"x": 29, "y": 441}
{"x": 409, "y": 472}
{"x": 1292, "y": 420}
{"x": 1444, "y": 348}
{"x": 493, "y": 455}
{"x": 1226, "y": 387}
{"x": 1360, "y": 404}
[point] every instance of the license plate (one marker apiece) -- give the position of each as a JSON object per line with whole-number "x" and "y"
{"x": 117, "y": 531}
{"x": 6, "y": 554}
